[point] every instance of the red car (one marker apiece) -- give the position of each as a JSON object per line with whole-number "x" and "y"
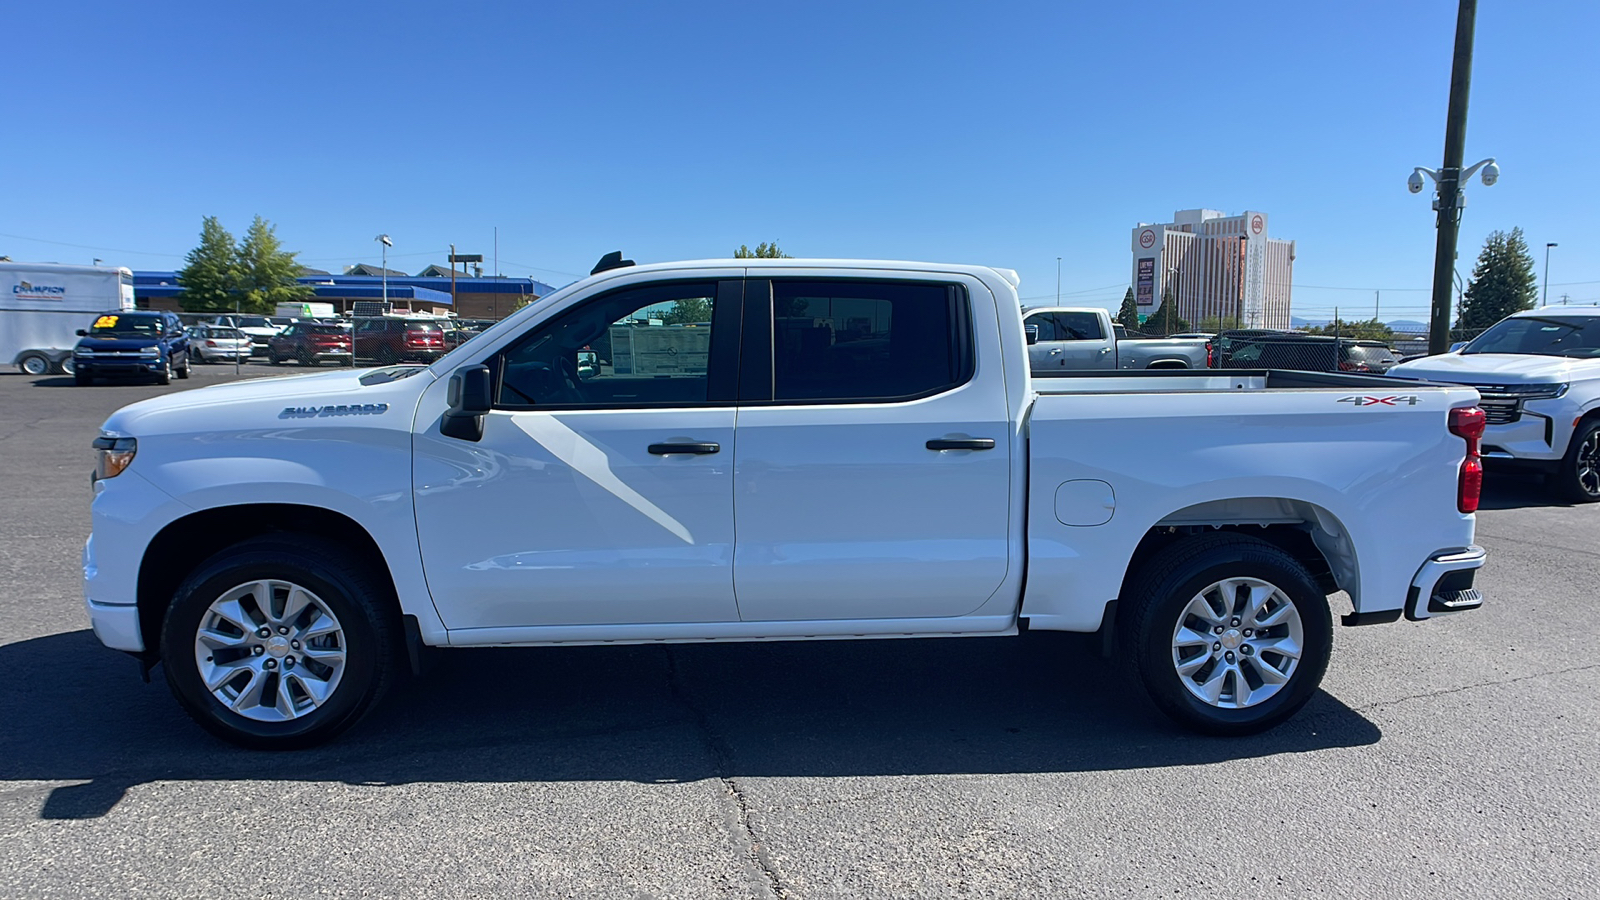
{"x": 311, "y": 344}
{"x": 389, "y": 340}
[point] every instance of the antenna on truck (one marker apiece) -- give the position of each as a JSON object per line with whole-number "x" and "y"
{"x": 612, "y": 260}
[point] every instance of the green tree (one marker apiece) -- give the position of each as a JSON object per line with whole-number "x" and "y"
{"x": 266, "y": 271}
{"x": 1129, "y": 314}
{"x": 1214, "y": 325}
{"x": 762, "y": 251}
{"x": 209, "y": 277}
{"x": 1165, "y": 320}
{"x": 1503, "y": 281}
{"x": 688, "y": 311}
{"x": 1369, "y": 330}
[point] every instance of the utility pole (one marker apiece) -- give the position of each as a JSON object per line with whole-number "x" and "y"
{"x": 453, "y": 279}
{"x": 1058, "y": 276}
{"x": 1449, "y": 179}
{"x": 1377, "y": 303}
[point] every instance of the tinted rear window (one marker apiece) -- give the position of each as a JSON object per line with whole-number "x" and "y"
{"x": 423, "y": 326}
{"x": 322, "y": 329}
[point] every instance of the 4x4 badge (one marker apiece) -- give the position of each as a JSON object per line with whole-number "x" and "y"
{"x": 1408, "y": 400}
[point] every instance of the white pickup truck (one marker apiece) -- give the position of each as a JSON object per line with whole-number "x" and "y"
{"x": 816, "y": 449}
{"x": 1072, "y": 339}
{"x": 1538, "y": 373}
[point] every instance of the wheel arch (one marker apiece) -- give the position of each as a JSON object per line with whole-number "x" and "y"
{"x": 1310, "y": 533}
{"x": 184, "y": 543}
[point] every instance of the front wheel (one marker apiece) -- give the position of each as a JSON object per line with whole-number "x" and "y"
{"x": 1578, "y": 480}
{"x": 1229, "y": 634}
{"x": 278, "y": 643}
{"x": 165, "y": 375}
{"x": 184, "y": 372}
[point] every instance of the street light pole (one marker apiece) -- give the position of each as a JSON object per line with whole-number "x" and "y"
{"x": 384, "y": 240}
{"x": 1545, "y": 297}
{"x": 1448, "y": 177}
{"x": 1058, "y": 279}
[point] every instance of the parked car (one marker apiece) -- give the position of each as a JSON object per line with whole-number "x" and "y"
{"x": 310, "y": 344}
{"x": 130, "y": 344}
{"x": 874, "y": 460}
{"x": 1069, "y": 339}
{"x": 1301, "y": 352}
{"x": 213, "y": 343}
{"x": 259, "y": 328}
{"x": 1539, "y": 375}
{"x": 393, "y": 339}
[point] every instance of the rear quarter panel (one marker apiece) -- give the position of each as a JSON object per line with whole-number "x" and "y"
{"x": 1385, "y": 474}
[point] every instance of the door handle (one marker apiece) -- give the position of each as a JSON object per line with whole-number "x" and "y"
{"x": 961, "y": 444}
{"x": 1055, "y": 351}
{"x": 695, "y": 447}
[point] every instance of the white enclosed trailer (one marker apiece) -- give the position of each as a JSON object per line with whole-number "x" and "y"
{"x": 42, "y": 306}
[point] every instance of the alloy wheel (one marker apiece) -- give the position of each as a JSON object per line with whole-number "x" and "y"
{"x": 1237, "y": 643}
{"x": 270, "y": 650}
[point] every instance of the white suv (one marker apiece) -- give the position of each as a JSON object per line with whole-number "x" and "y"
{"x": 1538, "y": 372}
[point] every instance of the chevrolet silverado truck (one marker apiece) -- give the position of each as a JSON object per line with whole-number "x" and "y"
{"x": 1067, "y": 339}
{"x": 1538, "y": 375}
{"x": 769, "y": 450}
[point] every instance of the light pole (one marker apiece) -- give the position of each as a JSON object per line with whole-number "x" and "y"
{"x": 1545, "y": 298}
{"x": 1448, "y": 196}
{"x": 1058, "y": 277}
{"x": 1244, "y": 252}
{"x": 384, "y": 240}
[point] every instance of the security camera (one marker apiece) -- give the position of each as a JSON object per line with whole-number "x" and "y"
{"x": 1414, "y": 183}
{"x": 1490, "y": 174}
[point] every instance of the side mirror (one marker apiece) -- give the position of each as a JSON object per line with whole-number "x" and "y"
{"x": 83, "y": 332}
{"x": 469, "y": 402}
{"x": 1032, "y": 331}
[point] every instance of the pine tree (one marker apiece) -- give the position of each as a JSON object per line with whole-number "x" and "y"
{"x": 1129, "y": 314}
{"x": 762, "y": 251}
{"x": 1503, "y": 281}
{"x": 267, "y": 272}
{"x": 209, "y": 277}
{"x": 1165, "y": 320}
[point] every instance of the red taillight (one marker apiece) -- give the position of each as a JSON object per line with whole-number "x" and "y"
{"x": 211, "y": 343}
{"x": 1468, "y": 424}
{"x": 1211, "y": 356}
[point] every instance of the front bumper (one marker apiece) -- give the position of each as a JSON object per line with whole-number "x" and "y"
{"x": 118, "y": 368}
{"x": 115, "y": 624}
{"x": 1444, "y": 584}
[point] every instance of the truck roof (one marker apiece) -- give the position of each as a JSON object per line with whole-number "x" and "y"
{"x": 1007, "y": 275}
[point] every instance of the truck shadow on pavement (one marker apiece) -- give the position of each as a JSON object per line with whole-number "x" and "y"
{"x": 1044, "y": 703}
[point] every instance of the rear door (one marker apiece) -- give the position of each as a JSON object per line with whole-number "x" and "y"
{"x": 871, "y": 478}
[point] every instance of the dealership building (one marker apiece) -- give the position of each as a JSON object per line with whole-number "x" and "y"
{"x": 432, "y": 290}
{"x": 1215, "y": 266}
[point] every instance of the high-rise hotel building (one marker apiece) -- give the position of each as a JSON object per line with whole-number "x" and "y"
{"x": 1216, "y": 265}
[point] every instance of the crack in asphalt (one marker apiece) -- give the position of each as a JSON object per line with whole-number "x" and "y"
{"x": 760, "y": 870}
{"x": 1472, "y": 687}
{"x": 1542, "y": 544}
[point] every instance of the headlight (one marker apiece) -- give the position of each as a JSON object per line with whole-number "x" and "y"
{"x": 150, "y": 351}
{"x": 112, "y": 455}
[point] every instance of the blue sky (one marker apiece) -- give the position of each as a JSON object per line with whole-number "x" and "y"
{"x": 1005, "y": 134}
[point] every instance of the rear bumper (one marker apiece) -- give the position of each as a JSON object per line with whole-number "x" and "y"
{"x": 1444, "y": 584}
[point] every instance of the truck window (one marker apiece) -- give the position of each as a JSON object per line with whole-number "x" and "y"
{"x": 644, "y": 346}
{"x": 849, "y": 341}
{"x": 1078, "y": 326}
{"x": 1046, "y": 323}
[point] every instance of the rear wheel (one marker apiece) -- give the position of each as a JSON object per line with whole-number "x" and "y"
{"x": 1578, "y": 479}
{"x": 306, "y": 359}
{"x": 278, "y": 643}
{"x": 1229, "y": 634}
{"x": 67, "y": 365}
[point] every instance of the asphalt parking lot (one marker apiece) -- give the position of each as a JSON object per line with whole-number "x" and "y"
{"x": 1453, "y": 758}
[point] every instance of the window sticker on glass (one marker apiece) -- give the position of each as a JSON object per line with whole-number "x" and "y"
{"x": 106, "y": 322}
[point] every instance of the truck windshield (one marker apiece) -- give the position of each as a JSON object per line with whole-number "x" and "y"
{"x": 1564, "y": 336}
{"x": 124, "y": 325}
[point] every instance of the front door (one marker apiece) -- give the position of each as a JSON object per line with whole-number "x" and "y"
{"x": 873, "y": 464}
{"x": 602, "y": 489}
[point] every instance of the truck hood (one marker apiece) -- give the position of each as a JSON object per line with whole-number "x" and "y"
{"x": 266, "y": 400}
{"x": 1497, "y": 368}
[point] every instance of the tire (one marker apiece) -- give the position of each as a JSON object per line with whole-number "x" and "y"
{"x": 165, "y": 376}
{"x": 184, "y": 372}
{"x": 34, "y": 364}
{"x": 385, "y": 356}
{"x": 311, "y": 700}
{"x": 66, "y": 365}
{"x": 1578, "y": 479}
{"x": 306, "y": 359}
{"x": 275, "y": 359}
{"x": 1198, "y": 683}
